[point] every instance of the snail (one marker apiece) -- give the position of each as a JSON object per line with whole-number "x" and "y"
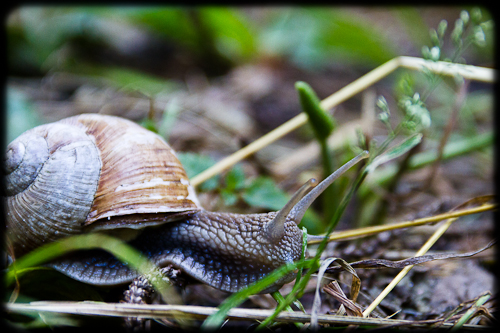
{"x": 98, "y": 173}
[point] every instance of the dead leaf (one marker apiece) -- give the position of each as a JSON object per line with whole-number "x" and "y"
{"x": 383, "y": 263}
{"x": 351, "y": 308}
{"x": 355, "y": 286}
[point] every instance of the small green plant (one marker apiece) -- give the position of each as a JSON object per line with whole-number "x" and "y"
{"x": 323, "y": 125}
{"x": 469, "y": 30}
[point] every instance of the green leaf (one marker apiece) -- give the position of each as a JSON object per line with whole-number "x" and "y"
{"x": 149, "y": 124}
{"x": 196, "y": 163}
{"x": 235, "y": 178}
{"x": 126, "y": 79}
{"x": 173, "y": 22}
{"x": 229, "y": 197}
{"x": 341, "y": 35}
{"x": 232, "y": 34}
{"x": 169, "y": 118}
{"x": 317, "y": 36}
{"x": 313, "y": 222}
{"x": 121, "y": 250}
{"x": 453, "y": 149}
{"x": 395, "y": 151}
{"x": 210, "y": 33}
{"x": 470, "y": 312}
{"x": 263, "y": 192}
{"x": 320, "y": 120}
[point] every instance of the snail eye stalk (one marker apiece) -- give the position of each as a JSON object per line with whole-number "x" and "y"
{"x": 275, "y": 228}
{"x": 296, "y": 207}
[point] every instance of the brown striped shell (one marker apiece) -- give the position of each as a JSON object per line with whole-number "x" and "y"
{"x": 91, "y": 172}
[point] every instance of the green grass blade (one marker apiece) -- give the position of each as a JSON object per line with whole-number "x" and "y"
{"x": 315, "y": 262}
{"x": 467, "y": 316}
{"x": 395, "y": 151}
{"x": 214, "y": 321}
{"x": 419, "y": 160}
{"x": 118, "y": 248}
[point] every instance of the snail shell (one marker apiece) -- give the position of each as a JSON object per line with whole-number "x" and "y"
{"x": 91, "y": 172}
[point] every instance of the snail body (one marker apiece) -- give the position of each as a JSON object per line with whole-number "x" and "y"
{"x": 96, "y": 173}
{"x": 210, "y": 247}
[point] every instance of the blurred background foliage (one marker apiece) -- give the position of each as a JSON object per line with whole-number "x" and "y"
{"x": 153, "y": 49}
{"x": 41, "y": 39}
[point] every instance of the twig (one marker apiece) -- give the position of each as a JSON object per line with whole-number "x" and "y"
{"x": 459, "y": 101}
{"x": 433, "y": 239}
{"x": 201, "y": 312}
{"x": 361, "y": 232}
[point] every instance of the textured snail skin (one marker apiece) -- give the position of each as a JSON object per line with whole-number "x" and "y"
{"x": 226, "y": 251}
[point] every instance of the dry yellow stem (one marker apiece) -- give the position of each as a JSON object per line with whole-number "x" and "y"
{"x": 361, "y": 232}
{"x": 163, "y": 311}
{"x": 423, "y": 250}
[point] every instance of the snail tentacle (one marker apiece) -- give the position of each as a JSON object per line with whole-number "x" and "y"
{"x": 275, "y": 228}
{"x": 298, "y": 211}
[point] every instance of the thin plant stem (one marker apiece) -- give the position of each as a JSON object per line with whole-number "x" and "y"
{"x": 329, "y": 199}
{"x": 419, "y": 160}
{"x": 459, "y": 101}
{"x": 279, "y": 298}
{"x": 315, "y": 262}
{"x": 363, "y": 232}
{"x": 382, "y": 205}
{"x": 200, "y": 312}
{"x": 467, "y": 316}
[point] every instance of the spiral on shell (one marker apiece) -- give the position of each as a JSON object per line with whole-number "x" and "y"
{"x": 90, "y": 172}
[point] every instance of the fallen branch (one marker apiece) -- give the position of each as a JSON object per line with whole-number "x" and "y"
{"x": 201, "y": 312}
